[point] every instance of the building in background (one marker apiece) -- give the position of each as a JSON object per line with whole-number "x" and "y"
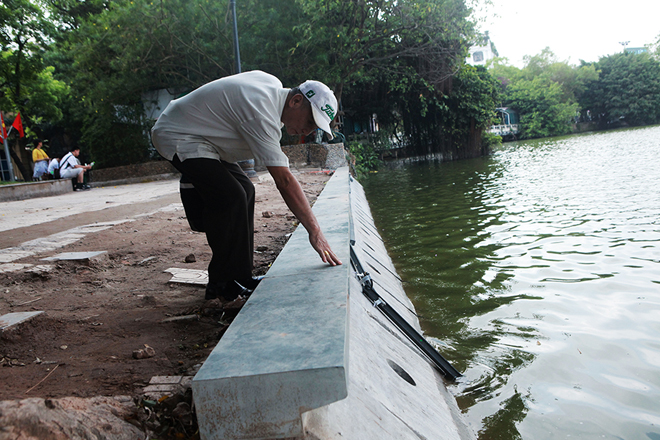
{"x": 483, "y": 52}
{"x": 635, "y": 50}
{"x": 507, "y": 124}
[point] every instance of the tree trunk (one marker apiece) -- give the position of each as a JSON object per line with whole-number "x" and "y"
{"x": 19, "y": 164}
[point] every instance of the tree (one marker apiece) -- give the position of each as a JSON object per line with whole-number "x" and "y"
{"x": 131, "y": 47}
{"x": 545, "y": 92}
{"x": 340, "y": 40}
{"x": 627, "y": 90}
{"x": 543, "y": 110}
{"x": 111, "y": 57}
{"x": 654, "y": 48}
{"x": 26, "y": 85}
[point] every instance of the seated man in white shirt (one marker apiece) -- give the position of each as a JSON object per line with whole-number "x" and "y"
{"x": 54, "y": 168}
{"x": 71, "y": 168}
{"x": 228, "y": 120}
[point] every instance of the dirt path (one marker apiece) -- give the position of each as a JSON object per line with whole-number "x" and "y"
{"x": 96, "y": 315}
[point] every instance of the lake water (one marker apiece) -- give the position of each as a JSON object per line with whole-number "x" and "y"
{"x": 538, "y": 271}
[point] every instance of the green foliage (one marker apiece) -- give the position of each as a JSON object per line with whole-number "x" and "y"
{"x": 407, "y": 54}
{"x": 115, "y": 55}
{"x": 490, "y": 140}
{"x": 543, "y": 109}
{"x": 343, "y": 41}
{"x": 364, "y": 158}
{"x": 116, "y": 135}
{"x": 26, "y": 84}
{"x": 474, "y": 97}
{"x": 545, "y": 92}
{"x": 627, "y": 90}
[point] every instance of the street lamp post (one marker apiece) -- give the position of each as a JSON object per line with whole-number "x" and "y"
{"x": 246, "y": 165}
{"x": 237, "y": 52}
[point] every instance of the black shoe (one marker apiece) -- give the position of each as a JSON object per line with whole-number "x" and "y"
{"x": 225, "y": 291}
{"x": 82, "y": 187}
{"x": 251, "y": 283}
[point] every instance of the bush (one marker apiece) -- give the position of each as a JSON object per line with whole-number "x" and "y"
{"x": 363, "y": 158}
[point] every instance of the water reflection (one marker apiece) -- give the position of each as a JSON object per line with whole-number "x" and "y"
{"x": 538, "y": 268}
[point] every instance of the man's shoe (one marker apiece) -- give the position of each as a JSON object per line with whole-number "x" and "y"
{"x": 225, "y": 291}
{"x": 251, "y": 283}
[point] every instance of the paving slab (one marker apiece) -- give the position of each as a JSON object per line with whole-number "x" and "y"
{"x": 78, "y": 256}
{"x": 12, "y": 267}
{"x": 12, "y": 319}
{"x": 188, "y": 276}
{"x": 45, "y": 209}
{"x": 12, "y": 254}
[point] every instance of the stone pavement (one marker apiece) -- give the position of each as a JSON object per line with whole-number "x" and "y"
{"x": 30, "y": 212}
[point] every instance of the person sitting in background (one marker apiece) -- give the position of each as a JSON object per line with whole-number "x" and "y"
{"x": 54, "y": 168}
{"x": 40, "y": 159}
{"x": 70, "y": 168}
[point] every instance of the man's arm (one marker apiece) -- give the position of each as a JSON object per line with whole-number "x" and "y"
{"x": 295, "y": 199}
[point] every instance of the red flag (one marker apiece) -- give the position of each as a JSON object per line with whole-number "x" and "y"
{"x": 18, "y": 125}
{"x": 4, "y": 130}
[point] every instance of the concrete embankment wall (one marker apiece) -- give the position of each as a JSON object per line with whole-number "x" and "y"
{"x": 22, "y": 191}
{"x": 309, "y": 356}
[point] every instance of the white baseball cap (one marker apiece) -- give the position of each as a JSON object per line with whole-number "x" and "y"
{"x": 324, "y": 103}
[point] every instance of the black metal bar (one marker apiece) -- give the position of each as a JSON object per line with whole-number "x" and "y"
{"x": 440, "y": 362}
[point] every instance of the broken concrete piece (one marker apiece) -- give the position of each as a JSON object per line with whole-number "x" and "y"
{"x": 160, "y": 386}
{"x": 188, "y": 276}
{"x": 12, "y": 267}
{"x": 78, "y": 256}
{"x": 165, "y": 380}
{"x": 40, "y": 269}
{"x": 11, "y": 319}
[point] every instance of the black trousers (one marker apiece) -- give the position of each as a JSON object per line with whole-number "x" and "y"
{"x": 219, "y": 200}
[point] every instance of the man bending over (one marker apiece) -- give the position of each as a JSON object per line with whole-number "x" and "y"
{"x": 205, "y": 133}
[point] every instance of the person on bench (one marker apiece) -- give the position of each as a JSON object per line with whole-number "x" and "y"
{"x": 70, "y": 168}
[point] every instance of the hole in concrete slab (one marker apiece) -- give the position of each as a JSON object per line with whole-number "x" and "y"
{"x": 401, "y": 372}
{"x": 373, "y": 268}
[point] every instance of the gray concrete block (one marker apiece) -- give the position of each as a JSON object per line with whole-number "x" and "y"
{"x": 12, "y": 319}
{"x": 285, "y": 352}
